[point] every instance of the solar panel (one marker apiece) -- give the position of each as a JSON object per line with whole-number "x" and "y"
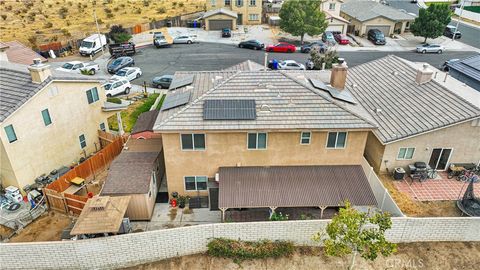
{"x": 180, "y": 82}
{"x": 175, "y": 100}
{"x": 227, "y": 109}
{"x": 343, "y": 95}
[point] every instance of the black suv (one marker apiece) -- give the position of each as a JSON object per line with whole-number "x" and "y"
{"x": 322, "y": 47}
{"x": 376, "y": 36}
{"x": 251, "y": 44}
{"x": 450, "y": 31}
{"x": 226, "y": 32}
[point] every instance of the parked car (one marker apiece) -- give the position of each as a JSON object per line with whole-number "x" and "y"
{"x": 157, "y": 35}
{"x": 92, "y": 44}
{"x": 341, "y": 39}
{"x": 159, "y": 40}
{"x": 430, "y": 48}
{"x": 120, "y": 63}
{"x": 162, "y": 81}
{"x": 376, "y": 36}
{"x": 290, "y": 65}
{"x": 445, "y": 64}
{"x": 322, "y": 47}
{"x": 226, "y": 32}
{"x": 117, "y": 86}
{"x": 77, "y": 66}
{"x": 122, "y": 49}
{"x": 281, "y": 47}
{"x": 251, "y": 44}
{"x": 328, "y": 37}
{"x": 129, "y": 73}
{"x": 184, "y": 40}
{"x": 451, "y": 30}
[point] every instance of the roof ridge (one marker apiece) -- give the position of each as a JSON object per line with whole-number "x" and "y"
{"x": 195, "y": 101}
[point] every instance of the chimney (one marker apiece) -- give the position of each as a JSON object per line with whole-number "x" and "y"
{"x": 39, "y": 71}
{"x": 339, "y": 74}
{"x": 3, "y": 52}
{"x": 424, "y": 75}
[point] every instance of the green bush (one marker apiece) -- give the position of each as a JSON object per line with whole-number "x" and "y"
{"x": 278, "y": 217}
{"x": 243, "y": 250}
{"x": 114, "y": 100}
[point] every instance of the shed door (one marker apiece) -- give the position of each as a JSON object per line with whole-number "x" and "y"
{"x": 213, "y": 197}
{"x": 384, "y": 28}
{"x": 219, "y": 24}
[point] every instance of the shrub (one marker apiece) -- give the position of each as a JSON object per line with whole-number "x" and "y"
{"x": 107, "y": 10}
{"x": 278, "y": 217}
{"x": 138, "y": 11}
{"x": 48, "y": 25}
{"x": 161, "y": 10}
{"x": 181, "y": 5}
{"x": 109, "y": 15}
{"x": 243, "y": 250}
{"x": 146, "y": 3}
{"x": 114, "y": 100}
{"x": 115, "y": 9}
{"x": 4, "y": 17}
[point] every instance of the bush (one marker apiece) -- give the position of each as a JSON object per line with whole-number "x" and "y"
{"x": 4, "y": 17}
{"x": 243, "y": 250}
{"x": 278, "y": 217}
{"x": 161, "y": 10}
{"x": 114, "y": 100}
{"x": 48, "y": 25}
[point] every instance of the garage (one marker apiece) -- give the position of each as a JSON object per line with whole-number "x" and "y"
{"x": 384, "y": 28}
{"x": 219, "y": 24}
{"x": 335, "y": 28}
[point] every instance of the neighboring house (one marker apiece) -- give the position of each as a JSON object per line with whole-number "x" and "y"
{"x": 48, "y": 119}
{"x": 143, "y": 128}
{"x": 270, "y": 12}
{"x": 419, "y": 118}
{"x": 137, "y": 172}
{"x": 467, "y": 71}
{"x": 331, "y": 8}
{"x": 219, "y": 19}
{"x": 366, "y": 15}
{"x": 248, "y": 11}
{"x": 18, "y": 53}
{"x": 228, "y": 134}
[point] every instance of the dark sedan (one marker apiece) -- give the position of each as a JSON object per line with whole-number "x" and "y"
{"x": 317, "y": 44}
{"x": 162, "y": 82}
{"x": 120, "y": 63}
{"x": 251, "y": 44}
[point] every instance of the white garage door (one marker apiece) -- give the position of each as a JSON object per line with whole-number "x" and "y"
{"x": 335, "y": 27}
{"x": 384, "y": 28}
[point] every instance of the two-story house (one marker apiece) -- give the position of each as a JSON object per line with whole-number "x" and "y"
{"x": 331, "y": 8}
{"x": 231, "y": 13}
{"x": 48, "y": 119}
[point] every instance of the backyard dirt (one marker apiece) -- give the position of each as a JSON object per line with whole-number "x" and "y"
{"x": 417, "y": 208}
{"x": 444, "y": 255}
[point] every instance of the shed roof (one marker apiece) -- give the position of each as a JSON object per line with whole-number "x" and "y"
{"x": 469, "y": 67}
{"x": 366, "y": 10}
{"x": 145, "y": 122}
{"x": 21, "y": 54}
{"x": 220, "y": 11}
{"x": 293, "y": 186}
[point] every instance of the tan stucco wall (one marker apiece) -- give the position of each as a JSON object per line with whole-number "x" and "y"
{"x": 374, "y": 151}
{"x": 362, "y": 26}
{"x": 325, "y": 6}
{"x": 39, "y": 149}
{"x": 463, "y": 138}
{"x": 7, "y": 175}
{"x": 220, "y": 17}
{"x": 230, "y": 149}
{"x": 246, "y": 9}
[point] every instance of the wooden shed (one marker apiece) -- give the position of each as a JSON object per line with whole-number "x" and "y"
{"x": 137, "y": 172}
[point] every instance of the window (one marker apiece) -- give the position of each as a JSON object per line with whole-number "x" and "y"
{"x": 305, "y": 137}
{"x": 92, "y": 95}
{"x": 257, "y": 140}
{"x": 239, "y": 3}
{"x": 193, "y": 141}
{"x": 336, "y": 139}
{"x": 253, "y": 2}
{"x": 83, "y": 143}
{"x": 10, "y": 133}
{"x": 331, "y": 6}
{"x": 228, "y": 2}
{"x": 253, "y": 17}
{"x": 46, "y": 117}
{"x": 405, "y": 153}
{"x": 213, "y": 3}
{"x": 195, "y": 183}
{"x": 102, "y": 127}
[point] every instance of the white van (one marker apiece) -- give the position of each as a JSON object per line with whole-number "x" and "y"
{"x": 92, "y": 44}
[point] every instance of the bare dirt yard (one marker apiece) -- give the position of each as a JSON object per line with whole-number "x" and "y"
{"x": 432, "y": 256}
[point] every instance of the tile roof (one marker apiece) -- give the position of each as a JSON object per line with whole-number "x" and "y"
{"x": 21, "y": 54}
{"x": 145, "y": 122}
{"x": 406, "y": 108}
{"x": 364, "y": 10}
{"x": 220, "y": 11}
{"x": 469, "y": 67}
{"x": 282, "y": 103}
{"x": 246, "y": 66}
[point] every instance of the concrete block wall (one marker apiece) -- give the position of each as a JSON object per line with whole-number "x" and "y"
{"x": 136, "y": 248}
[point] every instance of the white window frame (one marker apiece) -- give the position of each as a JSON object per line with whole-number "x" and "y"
{"x": 254, "y": 3}
{"x": 336, "y": 140}
{"x": 330, "y": 6}
{"x": 405, "y": 154}
{"x": 256, "y": 141}
{"x": 84, "y": 140}
{"x": 257, "y": 17}
{"x": 193, "y": 141}
{"x": 104, "y": 126}
{"x": 196, "y": 187}
{"x": 309, "y": 137}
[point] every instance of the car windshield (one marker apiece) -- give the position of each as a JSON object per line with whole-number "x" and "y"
{"x": 121, "y": 72}
{"x": 108, "y": 86}
{"x": 117, "y": 62}
{"x": 87, "y": 44}
{"x": 67, "y": 66}
{"x": 379, "y": 35}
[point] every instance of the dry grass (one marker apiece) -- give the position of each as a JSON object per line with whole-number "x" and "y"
{"x": 36, "y": 22}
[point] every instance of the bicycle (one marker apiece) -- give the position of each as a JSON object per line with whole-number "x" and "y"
{"x": 432, "y": 173}
{"x": 465, "y": 175}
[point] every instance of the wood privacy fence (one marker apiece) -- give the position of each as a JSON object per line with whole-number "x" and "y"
{"x": 57, "y": 197}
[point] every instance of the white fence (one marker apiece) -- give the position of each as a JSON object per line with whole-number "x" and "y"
{"x": 468, "y": 14}
{"x": 137, "y": 248}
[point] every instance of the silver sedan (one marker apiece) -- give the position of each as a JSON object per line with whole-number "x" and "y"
{"x": 430, "y": 48}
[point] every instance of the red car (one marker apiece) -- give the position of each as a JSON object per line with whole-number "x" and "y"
{"x": 281, "y": 47}
{"x": 341, "y": 39}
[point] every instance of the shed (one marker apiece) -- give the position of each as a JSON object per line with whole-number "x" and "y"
{"x": 218, "y": 19}
{"x": 143, "y": 128}
{"x": 467, "y": 71}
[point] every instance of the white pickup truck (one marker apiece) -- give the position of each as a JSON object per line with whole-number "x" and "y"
{"x": 77, "y": 66}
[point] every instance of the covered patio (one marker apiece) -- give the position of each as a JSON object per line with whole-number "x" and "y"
{"x": 298, "y": 190}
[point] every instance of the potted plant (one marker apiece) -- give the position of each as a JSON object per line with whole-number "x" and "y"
{"x": 182, "y": 201}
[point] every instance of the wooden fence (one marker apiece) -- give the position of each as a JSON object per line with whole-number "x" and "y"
{"x": 88, "y": 170}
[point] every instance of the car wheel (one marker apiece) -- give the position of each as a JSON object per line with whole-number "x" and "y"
{"x": 127, "y": 90}
{"x": 255, "y": 48}
{"x": 189, "y": 42}
{"x": 424, "y": 52}
{"x": 138, "y": 76}
{"x": 92, "y": 72}
{"x": 159, "y": 86}
{"x": 240, "y": 46}
{"x": 439, "y": 51}
{"x": 109, "y": 95}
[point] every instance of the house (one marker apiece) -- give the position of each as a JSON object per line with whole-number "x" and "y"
{"x": 419, "y": 117}
{"x": 366, "y": 15}
{"x": 18, "y": 53}
{"x": 48, "y": 119}
{"x": 336, "y": 23}
{"x": 242, "y": 12}
{"x": 467, "y": 71}
{"x": 137, "y": 172}
{"x": 228, "y": 135}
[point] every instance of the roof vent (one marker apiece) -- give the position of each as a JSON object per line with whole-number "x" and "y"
{"x": 377, "y": 110}
{"x": 354, "y": 85}
{"x": 395, "y": 73}
{"x": 265, "y": 108}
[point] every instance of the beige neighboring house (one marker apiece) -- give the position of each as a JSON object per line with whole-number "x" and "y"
{"x": 364, "y": 15}
{"x": 331, "y": 8}
{"x": 48, "y": 119}
{"x": 249, "y": 12}
{"x": 218, "y": 19}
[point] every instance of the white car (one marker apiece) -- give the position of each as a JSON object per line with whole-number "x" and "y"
{"x": 186, "y": 39}
{"x": 118, "y": 86}
{"x": 290, "y": 65}
{"x": 129, "y": 73}
{"x": 77, "y": 66}
{"x": 430, "y": 48}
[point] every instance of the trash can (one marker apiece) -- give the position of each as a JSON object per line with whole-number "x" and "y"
{"x": 275, "y": 64}
{"x": 399, "y": 174}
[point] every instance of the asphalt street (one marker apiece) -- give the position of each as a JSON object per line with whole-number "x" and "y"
{"x": 212, "y": 56}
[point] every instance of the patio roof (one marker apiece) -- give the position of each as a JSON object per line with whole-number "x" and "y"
{"x": 294, "y": 186}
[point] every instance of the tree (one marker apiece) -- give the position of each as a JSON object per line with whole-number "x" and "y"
{"x": 329, "y": 58}
{"x": 300, "y": 17}
{"x": 119, "y": 34}
{"x": 431, "y": 22}
{"x": 354, "y": 232}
